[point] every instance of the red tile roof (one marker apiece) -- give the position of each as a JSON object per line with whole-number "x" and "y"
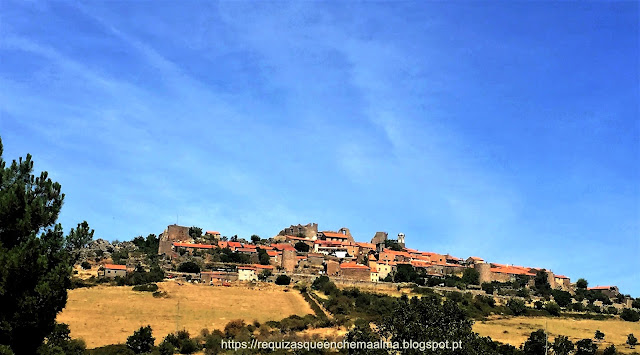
{"x": 352, "y": 265}
{"x": 366, "y": 245}
{"x": 560, "y": 277}
{"x": 264, "y": 267}
{"x": 212, "y": 232}
{"x": 195, "y": 246}
{"x": 234, "y": 244}
{"x": 283, "y": 246}
{"x": 272, "y": 252}
{"x": 476, "y": 258}
{"x": 512, "y": 270}
{"x": 334, "y": 235}
{"x": 115, "y": 267}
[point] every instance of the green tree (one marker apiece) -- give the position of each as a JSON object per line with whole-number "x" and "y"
{"x": 264, "y": 275}
{"x": 582, "y": 284}
{"x": 283, "y": 280}
{"x": 542, "y": 283}
{"x": 586, "y": 347}
{"x": 562, "y": 345}
{"x": 599, "y": 335}
{"x": 77, "y": 239}
{"x": 552, "y": 308}
{"x": 189, "y": 266}
{"x": 635, "y": 303}
{"x": 630, "y": 315}
{"x": 35, "y": 270}
{"x": 255, "y": 239}
{"x": 516, "y": 306}
{"x": 632, "y": 341}
{"x": 59, "y": 342}
{"x": 537, "y": 343}
{"x": 471, "y": 276}
{"x": 362, "y": 332}
{"x": 562, "y": 298}
{"x": 302, "y": 247}
{"x": 422, "y": 318}
{"x": 263, "y": 257}
{"x": 610, "y": 350}
{"x": 195, "y": 232}
{"x": 141, "y": 341}
{"x": 488, "y": 288}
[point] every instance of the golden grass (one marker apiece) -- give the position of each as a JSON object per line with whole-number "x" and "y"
{"x": 106, "y": 315}
{"x": 516, "y": 330}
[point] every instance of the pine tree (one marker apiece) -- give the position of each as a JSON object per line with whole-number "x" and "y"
{"x": 34, "y": 265}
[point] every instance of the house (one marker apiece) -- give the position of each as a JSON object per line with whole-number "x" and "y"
{"x": 214, "y": 234}
{"x": 113, "y": 271}
{"x": 609, "y": 291}
{"x": 332, "y": 236}
{"x": 563, "y": 282}
{"x": 356, "y": 272}
{"x": 472, "y": 260}
{"x": 385, "y": 269}
{"x": 214, "y": 277}
{"x": 274, "y": 257}
{"x": 375, "y": 277}
{"x": 247, "y": 273}
{"x": 453, "y": 260}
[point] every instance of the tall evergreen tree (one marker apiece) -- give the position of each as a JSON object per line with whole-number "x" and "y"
{"x": 34, "y": 265}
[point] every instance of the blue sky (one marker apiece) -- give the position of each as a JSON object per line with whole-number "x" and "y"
{"x": 504, "y": 130}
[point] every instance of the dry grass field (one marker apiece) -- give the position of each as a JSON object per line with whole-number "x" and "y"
{"x": 516, "y": 330}
{"x": 105, "y": 315}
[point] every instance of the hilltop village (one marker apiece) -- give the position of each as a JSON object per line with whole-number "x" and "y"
{"x": 302, "y": 252}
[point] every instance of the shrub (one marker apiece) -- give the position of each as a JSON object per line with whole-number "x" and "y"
{"x": 552, "y": 308}
{"x": 85, "y": 265}
{"x": 585, "y": 347}
{"x": 471, "y": 276}
{"x": 166, "y": 348}
{"x": 118, "y": 349}
{"x": 141, "y": 341}
{"x": 610, "y": 350}
{"x": 319, "y": 282}
{"x": 264, "y": 275}
{"x": 189, "y": 346}
{"x": 538, "y": 305}
{"x": 517, "y": 306}
{"x": 302, "y": 247}
{"x": 630, "y": 315}
{"x": 189, "y": 266}
{"x": 488, "y": 287}
{"x": 146, "y": 288}
{"x": 283, "y": 280}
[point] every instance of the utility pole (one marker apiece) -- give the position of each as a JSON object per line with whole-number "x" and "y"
{"x": 178, "y": 317}
{"x": 546, "y": 337}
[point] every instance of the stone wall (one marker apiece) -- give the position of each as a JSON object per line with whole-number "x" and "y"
{"x": 309, "y": 230}
{"x": 173, "y": 233}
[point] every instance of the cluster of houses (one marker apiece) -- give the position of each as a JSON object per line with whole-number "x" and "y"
{"x": 338, "y": 255}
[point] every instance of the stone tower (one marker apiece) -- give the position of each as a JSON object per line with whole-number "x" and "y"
{"x": 289, "y": 260}
{"x": 401, "y": 239}
{"x": 173, "y": 233}
{"x": 484, "y": 270}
